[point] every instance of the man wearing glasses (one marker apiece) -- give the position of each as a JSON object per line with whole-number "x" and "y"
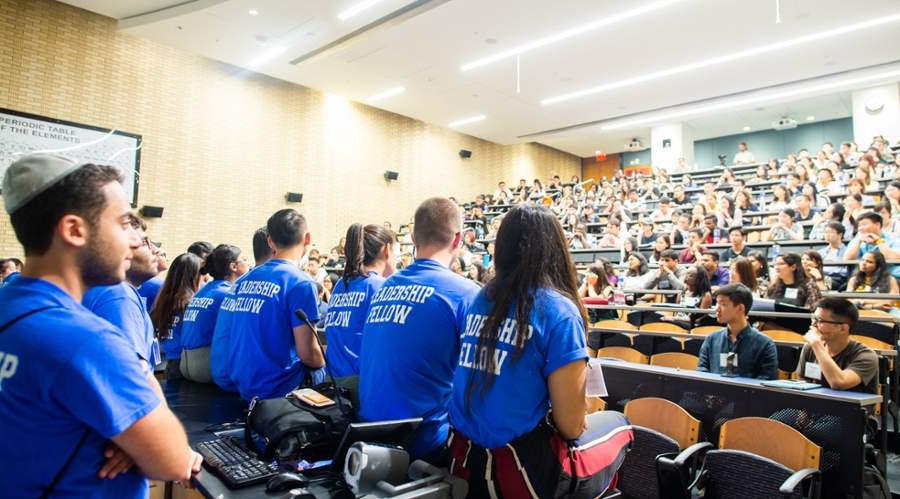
{"x": 121, "y": 305}
{"x": 833, "y": 359}
{"x": 150, "y": 289}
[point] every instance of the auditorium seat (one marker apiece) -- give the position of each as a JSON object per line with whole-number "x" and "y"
{"x": 676, "y": 360}
{"x": 623, "y": 353}
{"x": 757, "y": 457}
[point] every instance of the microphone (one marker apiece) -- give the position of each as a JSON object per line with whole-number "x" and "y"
{"x": 305, "y": 319}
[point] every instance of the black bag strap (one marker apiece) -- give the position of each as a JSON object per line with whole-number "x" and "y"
{"x": 248, "y": 437}
{"x": 59, "y": 475}
{"x": 26, "y": 314}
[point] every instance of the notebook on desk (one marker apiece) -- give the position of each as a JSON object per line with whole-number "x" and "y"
{"x": 791, "y": 384}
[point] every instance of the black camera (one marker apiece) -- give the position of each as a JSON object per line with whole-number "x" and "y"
{"x": 722, "y": 159}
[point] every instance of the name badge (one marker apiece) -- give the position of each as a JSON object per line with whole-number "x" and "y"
{"x": 692, "y": 301}
{"x": 812, "y": 371}
{"x": 664, "y": 285}
{"x": 723, "y": 359}
{"x": 790, "y": 292}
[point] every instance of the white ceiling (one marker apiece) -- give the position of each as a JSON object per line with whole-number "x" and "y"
{"x": 424, "y": 54}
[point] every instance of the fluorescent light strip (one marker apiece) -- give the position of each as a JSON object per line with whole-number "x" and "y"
{"x": 389, "y": 93}
{"x": 726, "y": 58}
{"x": 468, "y": 120}
{"x": 356, "y": 9}
{"x": 570, "y": 33}
{"x": 268, "y": 55}
{"x": 752, "y": 100}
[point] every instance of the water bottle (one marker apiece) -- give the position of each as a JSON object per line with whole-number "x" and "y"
{"x": 618, "y": 294}
{"x": 776, "y": 250}
{"x": 717, "y": 236}
{"x": 479, "y": 231}
{"x": 762, "y": 202}
{"x": 487, "y": 260}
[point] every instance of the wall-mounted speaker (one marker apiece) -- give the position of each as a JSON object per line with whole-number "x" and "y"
{"x": 293, "y": 197}
{"x": 391, "y": 175}
{"x": 152, "y": 211}
{"x": 465, "y": 154}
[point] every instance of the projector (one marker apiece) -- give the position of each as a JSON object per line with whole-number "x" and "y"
{"x": 635, "y": 145}
{"x": 784, "y": 123}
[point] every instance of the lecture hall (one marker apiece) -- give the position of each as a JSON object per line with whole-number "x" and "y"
{"x": 410, "y": 249}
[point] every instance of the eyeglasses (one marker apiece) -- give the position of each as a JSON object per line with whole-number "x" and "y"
{"x": 818, "y": 320}
{"x": 146, "y": 241}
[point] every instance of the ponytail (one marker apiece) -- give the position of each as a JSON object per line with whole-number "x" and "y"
{"x": 217, "y": 262}
{"x": 363, "y": 247}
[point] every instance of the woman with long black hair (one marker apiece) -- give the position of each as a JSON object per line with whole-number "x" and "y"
{"x": 791, "y": 285}
{"x": 225, "y": 265}
{"x": 182, "y": 282}
{"x": 522, "y": 350}
{"x": 371, "y": 258}
{"x": 874, "y": 276}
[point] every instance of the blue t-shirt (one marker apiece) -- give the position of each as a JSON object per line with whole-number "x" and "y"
{"x": 199, "y": 322}
{"x": 172, "y": 344}
{"x": 150, "y": 290}
{"x": 410, "y": 347}
{"x": 63, "y": 371}
{"x": 9, "y": 279}
{"x": 263, "y": 357}
{"x": 221, "y": 342}
{"x": 347, "y": 312}
{"x": 518, "y": 399}
{"x": 121, "y": 305}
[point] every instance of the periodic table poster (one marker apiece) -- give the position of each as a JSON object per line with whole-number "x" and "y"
{"x": 22, "y": 134}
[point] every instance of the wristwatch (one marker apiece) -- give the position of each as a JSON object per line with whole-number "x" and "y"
{"x": 879, "y": 241}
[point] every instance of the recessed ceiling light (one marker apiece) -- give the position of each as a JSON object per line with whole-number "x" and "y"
{"x": 725, "y": 58}
{"x": 356, "y": 9}
{"x": 490, "y": 41}
{"x": 662, "y": 118}
{"x": 810, "y": 118}
{"x": 746, "y": 128}
{"x": 468, "y": 120}
{"x": 382, "y": 95}
{"x": 268, "y": 55}
{"x": 570, "y": 33}
{"x": 253, "y": 12}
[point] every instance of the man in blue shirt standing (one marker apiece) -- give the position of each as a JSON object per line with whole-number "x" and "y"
{"x": 121, "y": 305}
{"x": 76, "y": 407}
{"x": 272, "y": 351}
{"x": 410, "y": 342}
{"x": 754, "y": 353}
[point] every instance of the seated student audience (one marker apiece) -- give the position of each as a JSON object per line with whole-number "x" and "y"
{"x": 224, "y": 265}
{"x": 872, "y": 276}
{"x": 638, "y": 272}
{"x": 669, "y": 276}
{"x": 696, "y": 293}
{"x": 791, "y": 284}
{"x": 751, "y": 353}
{"x": 123, "y": 307}
{"x": 595, "y": 284}
{"x": 718, "y": 276}
{"x": 679, "y": 233}
{"x": 833, "y": 213}
{"x": 831, "y": 357}
{"x": 760, "y": 268}
{"x": 870, "y": 237}
{"x": 710, "y": 224}
{"x": 182, "y": 282}
{"x": 744, "y": 157}
{"x": 741, "y": 271}
{"x": 729, "y": 214}
{"x": 272, "y": 351}
{"x": 220, "y": 350}
{"x": 410, "y": 343}
{"x": 371, "y": 255}
{"x": 73, "y": 221}
{"x": 785, "y": 229}
{"x": 891, "y": 225}
{"x": 781, "y": 199}
{"x": 611, "y": 238}
{"x": 647, "y": 235}
{"x": 736, "y": 236}
{"x": 581, "y": 239}
{"x": 680, "y": 199}
{"x": 835, "y": 251}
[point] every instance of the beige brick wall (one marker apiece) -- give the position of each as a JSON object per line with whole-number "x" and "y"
{"x": 222, "y": 145}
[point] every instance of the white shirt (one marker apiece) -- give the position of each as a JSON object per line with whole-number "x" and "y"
{"x": 744, "y": 158}
{"x": 507, "y": 191}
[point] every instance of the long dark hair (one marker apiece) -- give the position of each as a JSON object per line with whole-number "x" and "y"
{"x": 602, "y": 277}
{"x": 776, "y": 288}
{"x": 745, "y": 272}
{"x": 182, "y": 279}
{"x": 657, "y": 255}
{"x": 642, "y": 269}
{"x": 763, "y": 263}
{"x": 531, "y": 255}
{"x": 217, "y": 262}
{"x": 702, "y": 285}
{"x": 880, "y": 282}
{"x": 364, "y": 244}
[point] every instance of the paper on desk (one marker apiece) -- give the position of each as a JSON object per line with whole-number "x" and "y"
{"x": 596, "y": 387}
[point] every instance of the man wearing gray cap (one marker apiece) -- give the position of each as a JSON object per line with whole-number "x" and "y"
{"x": 77, "y": 409}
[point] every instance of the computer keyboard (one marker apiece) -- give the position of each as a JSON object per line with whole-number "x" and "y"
{"x": 234, "y": 462}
